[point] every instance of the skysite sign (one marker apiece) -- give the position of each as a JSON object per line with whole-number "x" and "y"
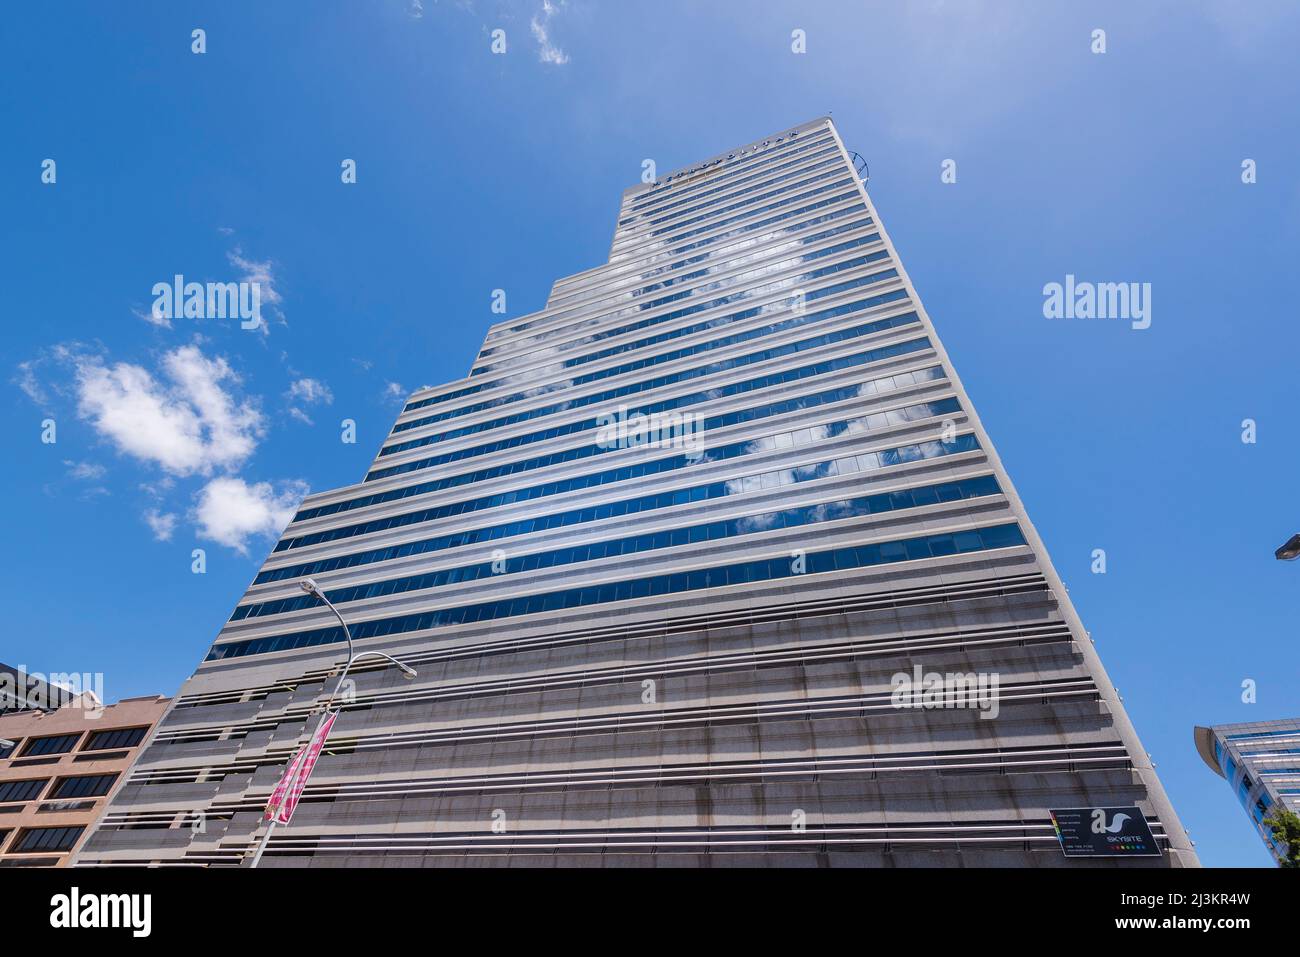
{"x": 1104, "y": 832}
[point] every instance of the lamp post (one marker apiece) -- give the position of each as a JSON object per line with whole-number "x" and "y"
{"x": 311, "y": 588}
{"x": 1289, "y": 551}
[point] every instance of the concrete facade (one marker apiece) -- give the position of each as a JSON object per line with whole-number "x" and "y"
{"x": 643, "y": 645}
{"x": 57, "y": 770}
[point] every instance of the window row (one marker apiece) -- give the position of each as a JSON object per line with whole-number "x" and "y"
{"x": 632, "y": 327}
{"x": 844, "y": 197}
{"x": 819, "y": 161}
{"x": 610, "y": 292}
{"x": 641, "y": 250}
{"x": 751, "y": 414}
{"x": 659, "y": 382}
{"x": 775, "y": 520}
{"x": 422, "y": 488}
{"x": 730, "y": 182}
{"x": 863, "y": 462}
{"x": 63, "y": 743}
{"x": 641, "y": 469}
{"x": 610, "y": 286}
{"x": 717, "y": 258}
{"x": 750, "y": 292}
{"x": 796, "y": 437}
{"x": 671, "y": 224}
{"x": 671, "y": 186}
{"x": 771, "y": 478}
{"x": 630, "y": 366}
{"x": 47, "y": 839}
{"x": 739, "y": 573}
{"x": 848, "y": 195}
{"x": 81, "y": 786}
{"x": 771, "y": 265}
{"x": 782, "y": 377}
{"x": 868, "y": 240}
{"x": 616, "y": 274}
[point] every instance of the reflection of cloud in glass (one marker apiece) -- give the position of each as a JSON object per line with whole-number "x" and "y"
{"x": 758, "y": 523}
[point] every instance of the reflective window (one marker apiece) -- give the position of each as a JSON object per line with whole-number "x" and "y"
{"x": 116, "y": 738}
{"x": 974, "y": 540}
{"x": 709, "y": 395}
{"x": 47, "y": 839}
{"x": 89, "y": 785}
{"x": 865, "y": 462}
{"x": 794, "y": 517}
{"x": 53, "y": 744}
{"x": 21, "y": 790}
{"x": 684, "y": 375}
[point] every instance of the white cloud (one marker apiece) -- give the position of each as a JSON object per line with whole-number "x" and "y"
{"x": 393, "y": 392}
{"x": 162, "y": 524}
{"x": 85, "y": 471}
{"x": 416, "y": 10}
{"x": 310, "y": 392}
{"x": 230, "y": 511}
{"x": 547, "y": 51}
{"x": 191, "y": 426}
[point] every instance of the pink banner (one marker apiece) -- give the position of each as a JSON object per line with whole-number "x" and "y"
{"x": 284, "y": 799}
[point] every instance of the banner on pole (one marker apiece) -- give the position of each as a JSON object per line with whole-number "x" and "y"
{"x": 284, "y": 799}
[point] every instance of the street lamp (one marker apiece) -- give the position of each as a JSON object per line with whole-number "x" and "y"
{"x": 311, "y": 588}
{"x": 1290, "y": 551}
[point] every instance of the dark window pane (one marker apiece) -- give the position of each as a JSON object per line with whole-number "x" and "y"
{"x": 115, "y": 738}
{"x": 53, "y": 744}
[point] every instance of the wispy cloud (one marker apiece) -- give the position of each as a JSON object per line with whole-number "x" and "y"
{"x": 262, "y": 273}
{"x": 85, "y": 471}
{"x": 393, "y": 392}
{"x": 547, "y": 51}
{"x": 307, "y": 392}
{"x": 25, "y": 378}
{"x": 148, "y": 315}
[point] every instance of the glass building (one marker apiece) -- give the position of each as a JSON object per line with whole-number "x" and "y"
{"x": 1261, "y": 762}
{"x": 665, "y": 560}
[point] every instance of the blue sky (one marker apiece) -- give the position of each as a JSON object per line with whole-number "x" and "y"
{"x": 478, "y": 171}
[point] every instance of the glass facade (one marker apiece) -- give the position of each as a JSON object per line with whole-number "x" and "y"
{"x": 1261, "y": 763}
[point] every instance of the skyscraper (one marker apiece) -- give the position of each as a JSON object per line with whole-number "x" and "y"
{"x": 1261, "y": 762}
{"x": 709, "y": 561}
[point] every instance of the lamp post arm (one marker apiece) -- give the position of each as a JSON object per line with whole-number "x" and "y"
{"x": 346, "y": 632}
{"x": 353, "y": 660}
